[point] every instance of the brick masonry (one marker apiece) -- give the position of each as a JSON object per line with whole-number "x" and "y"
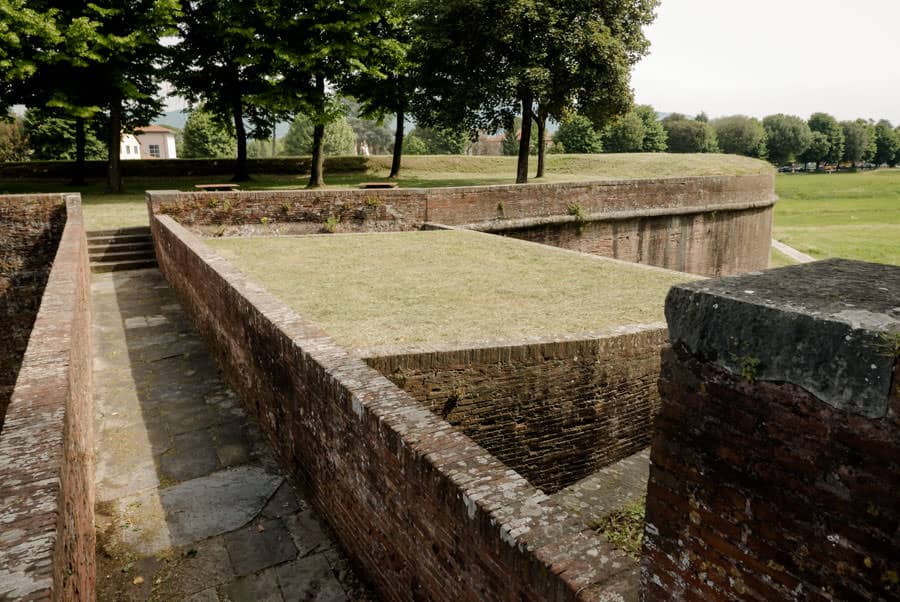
{"x": 30, "y": 228}
{"x": 705, "y": 225}
{"x": 759, "y": 488}
{"x": 555, "y": 411}
{"x": 424, "y": 510}
{"x": 46, "y": 447}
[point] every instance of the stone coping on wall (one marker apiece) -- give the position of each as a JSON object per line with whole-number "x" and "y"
{"x": 46, "y": 476}
{"x": 534, "y": 547}
{"x": 778, "y": 326}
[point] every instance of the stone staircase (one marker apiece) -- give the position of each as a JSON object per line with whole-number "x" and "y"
{"x": 123, "y": 249}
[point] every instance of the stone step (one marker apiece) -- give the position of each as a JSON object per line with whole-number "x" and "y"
{"x": 137, "y": 230}
{"x": 119, "y": 239}
{"x": 120, "y": 247}
{"x": 111, "y": 257}
{"x": 123, "y": 265}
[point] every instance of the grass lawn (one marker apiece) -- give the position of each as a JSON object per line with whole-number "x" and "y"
{"x": 103, "y": 211}
{"x": 401, "y": 288}
{"x": 854, "y": 215}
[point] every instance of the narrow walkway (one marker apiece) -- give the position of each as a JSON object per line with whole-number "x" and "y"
{"x": 791, "y": 252}
{"x": 190, "y": 504}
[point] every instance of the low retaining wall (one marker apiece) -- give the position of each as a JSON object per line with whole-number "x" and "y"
{"x": 555, "y": 411}
{"x": 425, "y": 511}
{"x": 46, "y": 447}
{"x": 776, "y": 462}
{"x": 706, "y": 225}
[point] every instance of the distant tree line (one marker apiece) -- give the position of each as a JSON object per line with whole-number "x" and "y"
{"x": 455, "y": 67}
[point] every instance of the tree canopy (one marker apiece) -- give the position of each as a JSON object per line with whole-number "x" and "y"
{"x": 887, "y": 143}
{"x": 787, "y": 137}
{"x": 828, "y": 126}
{"x": 576, "y": 134}
{"x": 206, "y": 136}
{"x": 339, "y": 138}
{"x": 740, "y": 135}
{"x": 689, "y": 135}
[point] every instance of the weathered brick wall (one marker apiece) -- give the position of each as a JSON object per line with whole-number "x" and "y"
{"x": 555, "y": 411}
{"x": 46, "y": 448}
{"x": 30, "y": 228}
{"x": 760, "y": 489}
{"x": 427, "y": 513}
{"x": 704, "y": 225}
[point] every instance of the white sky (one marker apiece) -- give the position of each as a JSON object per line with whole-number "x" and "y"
{"x": 758, "y": 57}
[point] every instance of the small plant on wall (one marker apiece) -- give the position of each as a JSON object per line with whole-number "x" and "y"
{"x": 331, "y": 224}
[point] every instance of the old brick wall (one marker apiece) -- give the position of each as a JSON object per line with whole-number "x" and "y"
{"x": 30, "y": 228}
{"x": 760, "y": 489}
{"x": 555, "y": 411}
{"x": 704, "y": 225}
{"x": 46, "y": 448}
{"x": 427, "y": 513}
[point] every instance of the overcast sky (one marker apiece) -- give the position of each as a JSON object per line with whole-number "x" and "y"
{"x": 758, "y": 57}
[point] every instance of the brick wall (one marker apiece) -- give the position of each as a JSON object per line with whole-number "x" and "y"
{"x": 46, "y": 447}
{"x": 760, "y": 488}
{"x": 30, "y": 228}
{"x": 555, "y": 411}
{"x": 426, "y": 512}
{"x": 704, "y": 225}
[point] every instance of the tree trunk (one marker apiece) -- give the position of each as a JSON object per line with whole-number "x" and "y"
{"x": 542, "y": 144}
{"x": 80, "y": 143}
{"x": 524, "y": 140}
{"x": 240, "y": 167}
{"x": 274, "y": 138}
{"x": 114, "y": 146}
{"x": 398, "y": 145}
{"x": 316, "y": 178}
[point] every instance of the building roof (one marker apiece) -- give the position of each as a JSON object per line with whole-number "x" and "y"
{"x": 153, "y": 129}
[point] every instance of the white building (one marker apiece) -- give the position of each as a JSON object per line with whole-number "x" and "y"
{"x": 149, "y": 142}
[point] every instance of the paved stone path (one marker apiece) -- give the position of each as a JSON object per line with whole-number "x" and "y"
{"x": 190, "y": 504}
{"x": 798, "y": 256}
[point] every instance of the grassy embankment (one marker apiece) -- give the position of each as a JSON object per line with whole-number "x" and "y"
{"x": 104, "y": 211}
{"x": 853, "y": 215}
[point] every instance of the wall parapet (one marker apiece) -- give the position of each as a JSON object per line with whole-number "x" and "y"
{"x": 427, "y": 512}
{"x": 46, "y": 446}
{"x": 775, "y": 461}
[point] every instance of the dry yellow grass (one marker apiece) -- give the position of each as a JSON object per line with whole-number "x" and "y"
{"x": 404, "y": 288}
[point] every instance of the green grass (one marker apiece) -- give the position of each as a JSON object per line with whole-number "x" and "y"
{"x": 104, "y": 211}
{"x": 853, "y": 215}
{"x": 625, "y": 528}
{"x": 402, "y": 288}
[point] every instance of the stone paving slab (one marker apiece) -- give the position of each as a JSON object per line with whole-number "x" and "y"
{"x": 190, "y": 502}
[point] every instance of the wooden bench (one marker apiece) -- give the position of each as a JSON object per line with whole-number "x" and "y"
{"x": 371, "y": 185}
{"x": 217, "y": 187}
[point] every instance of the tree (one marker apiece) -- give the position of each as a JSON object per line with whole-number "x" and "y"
{"x": 52, "y": 137}
{"x": 689, "y": 135}
{"x": 224, "y": 61}
{"x": 787, "y": 137}
{"x": 577, "y": 135}
{"x": 740, "y": 135}
{"x": 482, "y": 63}
{"x": 414, "y": 145}
{"x": 819, "y": 149}
{"x": 262, "y": 149}
{"x": 655, "y": 136}
{"x": 887, "y": 143}
{"x": 509, "y": 146}
{"x": 856, "y": 141}
{"x": 206, "y": 136}
{"x": 441, "y": 141}
{"x": 29, "y": 37}
{"x": 339, "y": 138}
{"x": 828, "y": 125}
{"x": 13, "y": 141}
{"x": 625, "y": 134}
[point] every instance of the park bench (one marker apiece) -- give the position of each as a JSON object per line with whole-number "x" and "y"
{"x": 217, "y": 187}
{"x": 371, "y": 185}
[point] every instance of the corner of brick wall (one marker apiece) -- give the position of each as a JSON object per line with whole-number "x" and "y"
{"x": 46, "y": 447}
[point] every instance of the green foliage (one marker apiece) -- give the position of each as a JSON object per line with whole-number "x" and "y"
{"x": 828, "y": 125}
{"x": 577, "y": 135}
{"x": 787, "y": 137}
{"x": 206, "y": 137}
{"x": 819, "y": 149}
{"x": 655, "y": 136}
{"x": 509, "y": 146}
{"x": 887, "y": 143}
{"x": 51, "y": 136}
{"x": 689, "y": 135}
{"x": 624, "y": 528}
{"x": 340, "y": 138}
{"x": 379, "y": 138}
{"x": 740, "y": 135}
{"x": 26, "y": 35}
{"x": 856, "y": 140}
{"x": 625, "y": 134}
{"x": 439, "y": 141}
{"x": 262, "y": 149}
{"x": 13, "y": 141}
{"x": 413, "y": 145}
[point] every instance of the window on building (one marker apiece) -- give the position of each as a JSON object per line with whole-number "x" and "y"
{"x": 154, "y": 151}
